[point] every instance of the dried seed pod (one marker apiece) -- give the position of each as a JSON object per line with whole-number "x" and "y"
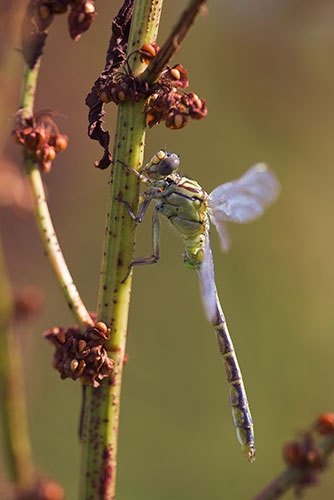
{"x": 80, "y": 18}
{"x": 177, "y": 118}
{"x": 61, "y": 337}
{"x": 177, "y": 75}
{"x": 148, "y": 51}
{"x": 105, "y": 97}
{"x": 74, "y": 364}
{"x": 101, "y": 326}
{"x": 81, "y": 345}
{"x": 197, "y": 107}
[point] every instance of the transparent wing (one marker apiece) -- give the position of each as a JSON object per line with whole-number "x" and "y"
{"x": 244, "y": 199}
{"x": 225, "y": 240}
{"x": 207, "y": 280}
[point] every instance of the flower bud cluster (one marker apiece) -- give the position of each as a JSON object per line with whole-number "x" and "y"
{"x": 40, "y": 136}
{"x": 166, "y": 100}
{"x": 80, "y": 16}
{"x": 170, "y": 103}
{"x": 307, "y": 454}
{"x": 81, "y": 356}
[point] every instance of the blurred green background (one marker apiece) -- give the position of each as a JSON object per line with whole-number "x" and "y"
{"x": 266, "y": 70}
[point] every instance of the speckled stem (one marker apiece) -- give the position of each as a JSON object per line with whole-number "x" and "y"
{"x": 101, "y": 410}
{"x": 42, "y": 214}
{"x": 16, "y": 444}
{"x": 173, "y": 42}
{"x": 291, "y": 476}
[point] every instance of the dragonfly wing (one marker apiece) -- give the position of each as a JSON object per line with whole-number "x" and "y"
{"x": 225, "y": 240}
{"x": 207, "y": 280}
{"x": 244, "y": 199}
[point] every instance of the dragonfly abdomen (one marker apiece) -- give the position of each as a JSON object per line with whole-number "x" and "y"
{"x": 241, "y": 415}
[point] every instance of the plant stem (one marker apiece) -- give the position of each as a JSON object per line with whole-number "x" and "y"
{"x": 12, "y": 396}
{"x": 101, "y": 412}
{"x": 42, "y": 213}
{"x": 292, "y": 476}
{"x": 173, "y": 42}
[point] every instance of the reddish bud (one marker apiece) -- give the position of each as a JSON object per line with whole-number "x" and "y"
{"x": 60, "y": 142}
{"x": 325, "y": 423}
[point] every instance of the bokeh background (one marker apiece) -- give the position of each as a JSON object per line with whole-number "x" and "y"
{"x": 266, "y": 70}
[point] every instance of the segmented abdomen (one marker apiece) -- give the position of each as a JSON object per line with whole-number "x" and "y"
{"x": 242, "y": 418}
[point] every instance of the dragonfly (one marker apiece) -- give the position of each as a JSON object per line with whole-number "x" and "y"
{"x": 191, "y": 210}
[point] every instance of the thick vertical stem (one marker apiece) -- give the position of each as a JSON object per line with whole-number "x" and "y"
{"x": 13, "y": 410}
{"x": 101, "y": 411}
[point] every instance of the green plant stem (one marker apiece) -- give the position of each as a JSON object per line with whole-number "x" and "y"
{"x": 101, "y": 409}
{"x": 13, "y": 410}
{"x": 173, "y": 42}
{"x": 42, "y": 214}
{"x": 292, "y": 476}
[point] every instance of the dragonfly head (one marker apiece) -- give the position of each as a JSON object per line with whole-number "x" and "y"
{"x": 163, "y": 165}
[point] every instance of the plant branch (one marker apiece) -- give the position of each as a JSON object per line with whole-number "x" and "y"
{"x": 173, "y": 42}
{"x": 13, "y": 409}
{"x": 294, "y": 476}
{"x": 42, "y": 213}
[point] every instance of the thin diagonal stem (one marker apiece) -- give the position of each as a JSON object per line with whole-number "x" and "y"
{"x": 292, "y": 476}
{"x": 42, "y": 214}
{"x": 173, "y": 42}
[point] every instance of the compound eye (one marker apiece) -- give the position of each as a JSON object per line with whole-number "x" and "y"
{"x": 169, "y": 164}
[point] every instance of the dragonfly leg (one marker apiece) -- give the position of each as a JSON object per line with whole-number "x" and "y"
{"x": 155, "y": 256}
{"x": 142, "y": 208}
{"x": 142, "y": 177}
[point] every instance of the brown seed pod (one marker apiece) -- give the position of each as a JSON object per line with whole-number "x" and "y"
{"x": 177, "y": 75}
{"x": 148, "y": 51}
{"x": 80, "y": 18}
{"x": 177, "y": 118}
